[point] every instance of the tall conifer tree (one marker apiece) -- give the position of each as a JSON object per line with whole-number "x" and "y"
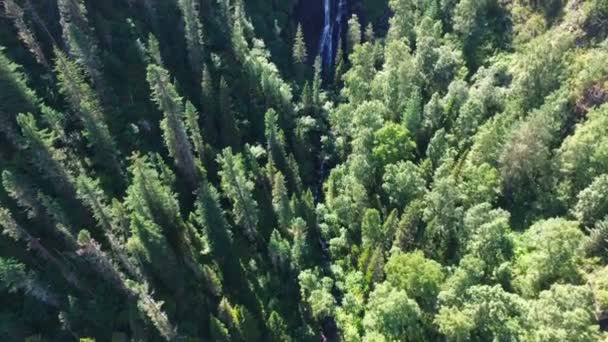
{"x": 171, "y": 104}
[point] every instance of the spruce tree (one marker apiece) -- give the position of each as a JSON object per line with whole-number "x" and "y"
{"x": 370, "y": 36}
{"x": 92, "y": 195}
{"x": 45, "y": 157}
{"x": 86, "y": 105}
{"x": 340, "y": 64}
{"x": 15, "y": 277}
{"x": 150, "y": 196}
{"x": 153, "y": 309}
{"x": 25, "y": 33}
{"x": 34, "y": 202}
{"x": 194, "y": 129}
{"x": 238, "y": 187}
{"x": 20, "y": 190}
{"x": 171, "y": 104}
{"x": 299, "y": 53}
{"x": 209, "y": 107}
{"x": 15, "y": 97}
{"x": 280, "y": 201}
{"x": 194, "y": 34}
{"x": 80, "y": 39}
{"x": 229, "y": 131}
{"x": 316, "y": 83}
{"x": 354, "y": 32}
{"x": 16, "y": 232}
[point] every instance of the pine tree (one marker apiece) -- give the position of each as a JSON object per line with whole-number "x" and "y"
{"x": 15, "y": 97}
{"x": 229, "y": 131}
{"x": 194, "y": 34}
{"x": 238, "y": 187}
{"x": 153, "y": 51}
{"x": 17, "y": 233}
{"x": 14, "y": 277}
{"x": 307, "y": 97}
{"x": 275, "y": 143}
{"x": 176, "y": 139}
{"x": 86, "y": 105}
{"x": 90, "y": 193}
{"x": 99, "y": 261}
{"x": 299, "y": 53}
{"x": 20, "y": 190}
{"x": 279, "y": 250}
{"x": 218, "y": 330}
{"x": 16, "y": 13}
{"x": 151, "y": 197}
{"x": 370, "y": 36}
{"x": 196, "y": 137}
{"x": 209, "y": 216}
{"x": 49, "y": 160}
{"x": 280, "y": 201}
{"x": 36, "y": 206}
{"x": 80, "y": 40}
{"x": 209, "y": 103}
{"x": 340, "y": 64}
{"x": 153, "y": 309}
{"x": 316, "y": 83}
{"x": 354, "y": 32}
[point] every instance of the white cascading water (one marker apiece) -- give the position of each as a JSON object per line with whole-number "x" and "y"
{"x": 326, "y": 43}
{"x": 332, "y": 29}
{"x": 340, "y": 17}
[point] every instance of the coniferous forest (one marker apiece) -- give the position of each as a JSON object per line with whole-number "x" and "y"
{"x": 312, "y": 170}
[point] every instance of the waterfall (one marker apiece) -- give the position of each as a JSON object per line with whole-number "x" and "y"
{"x": 326, "y": 43}
{"x": 342, "y": 9}
{"x": 334, "y": 18}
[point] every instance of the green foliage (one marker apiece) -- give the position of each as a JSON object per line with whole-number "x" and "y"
{"x": 390, "y": 313}
{"x": 403, "y": 183}
{"x": 548, "y": 252}
{"x": 424, "y": 191}
{"x": 176, "y": 139}
{"x": 392, "y": 144}
{"x": 238, "y": 186}
{"x": 488, "y": 313}
{"x": 564, "y": 312}
{"x": 316, "y": 291}
{"x": 421, "y": 278}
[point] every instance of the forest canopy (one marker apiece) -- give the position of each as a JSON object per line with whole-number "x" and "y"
{"x": 221, "y": 170}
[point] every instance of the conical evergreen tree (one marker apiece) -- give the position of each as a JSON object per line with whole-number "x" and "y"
{"x": 209, "y": 106}
{"x": 238, "y": 187}
{"x": 299, "y": 53}
{"x": 153, "y": 309}
{"x": 90, "y": 193}
{"x": 81, "y": 41}
{"x": 14, "y": 277}
{"x": 26, "y": 35}
{"x": 194, "y": 34}
{"x": 85, "y": 104}
{"x": 229, "y": 131}
{"x": 15, "y": 97}
{"x": 150, "y": 197}
{"x": 370, "y": 36}
{"x": 194, "y": 129}
{"x": 47, "y": 159}
{"x": 354, "y": 32}
{"x": 17, "y": 233}
{"x": 37, "y": 207}
{"x": 280, "y": 201}
{"x": 316, "y": 83}
{"x": 176, "y": 139}
{"x": 340, "y": 64}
